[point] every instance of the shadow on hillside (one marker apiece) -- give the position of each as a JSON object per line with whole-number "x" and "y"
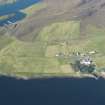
{"x": 55, "y": 91}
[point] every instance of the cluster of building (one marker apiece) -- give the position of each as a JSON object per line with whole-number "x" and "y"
{"x": 84, "y": 62}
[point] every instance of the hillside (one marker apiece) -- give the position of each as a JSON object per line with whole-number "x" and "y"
{"x": 85, "y": 11}
{"x": 38, "y": 58}
{"x": 50, "y": 28}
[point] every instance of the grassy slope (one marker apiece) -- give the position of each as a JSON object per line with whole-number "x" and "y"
{"x": 93, "y": 41}
{"x": 38, "y": 57}
{"x": 34, "y": 8}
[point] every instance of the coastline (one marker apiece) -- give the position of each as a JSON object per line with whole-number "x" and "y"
{"x": 77, "y": 75}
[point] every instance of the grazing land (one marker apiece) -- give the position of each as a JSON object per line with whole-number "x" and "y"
{"x": 51, "y": 28}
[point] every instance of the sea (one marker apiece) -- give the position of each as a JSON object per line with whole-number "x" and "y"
{"x": 52, "y": 91}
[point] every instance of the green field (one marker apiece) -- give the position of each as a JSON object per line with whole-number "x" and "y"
{"x": 38, "y": 58}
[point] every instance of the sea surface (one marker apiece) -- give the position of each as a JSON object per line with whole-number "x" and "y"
{"x": 52, "y": 91}
{"x": 15, "y": 8}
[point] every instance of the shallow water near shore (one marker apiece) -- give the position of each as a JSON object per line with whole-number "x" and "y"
{"x": 14, "y": 8}
{"x": 52, "y": 91}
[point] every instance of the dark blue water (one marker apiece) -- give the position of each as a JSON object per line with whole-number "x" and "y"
{"x": 15, "y": 8}
{"x": 55, "y": 91}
